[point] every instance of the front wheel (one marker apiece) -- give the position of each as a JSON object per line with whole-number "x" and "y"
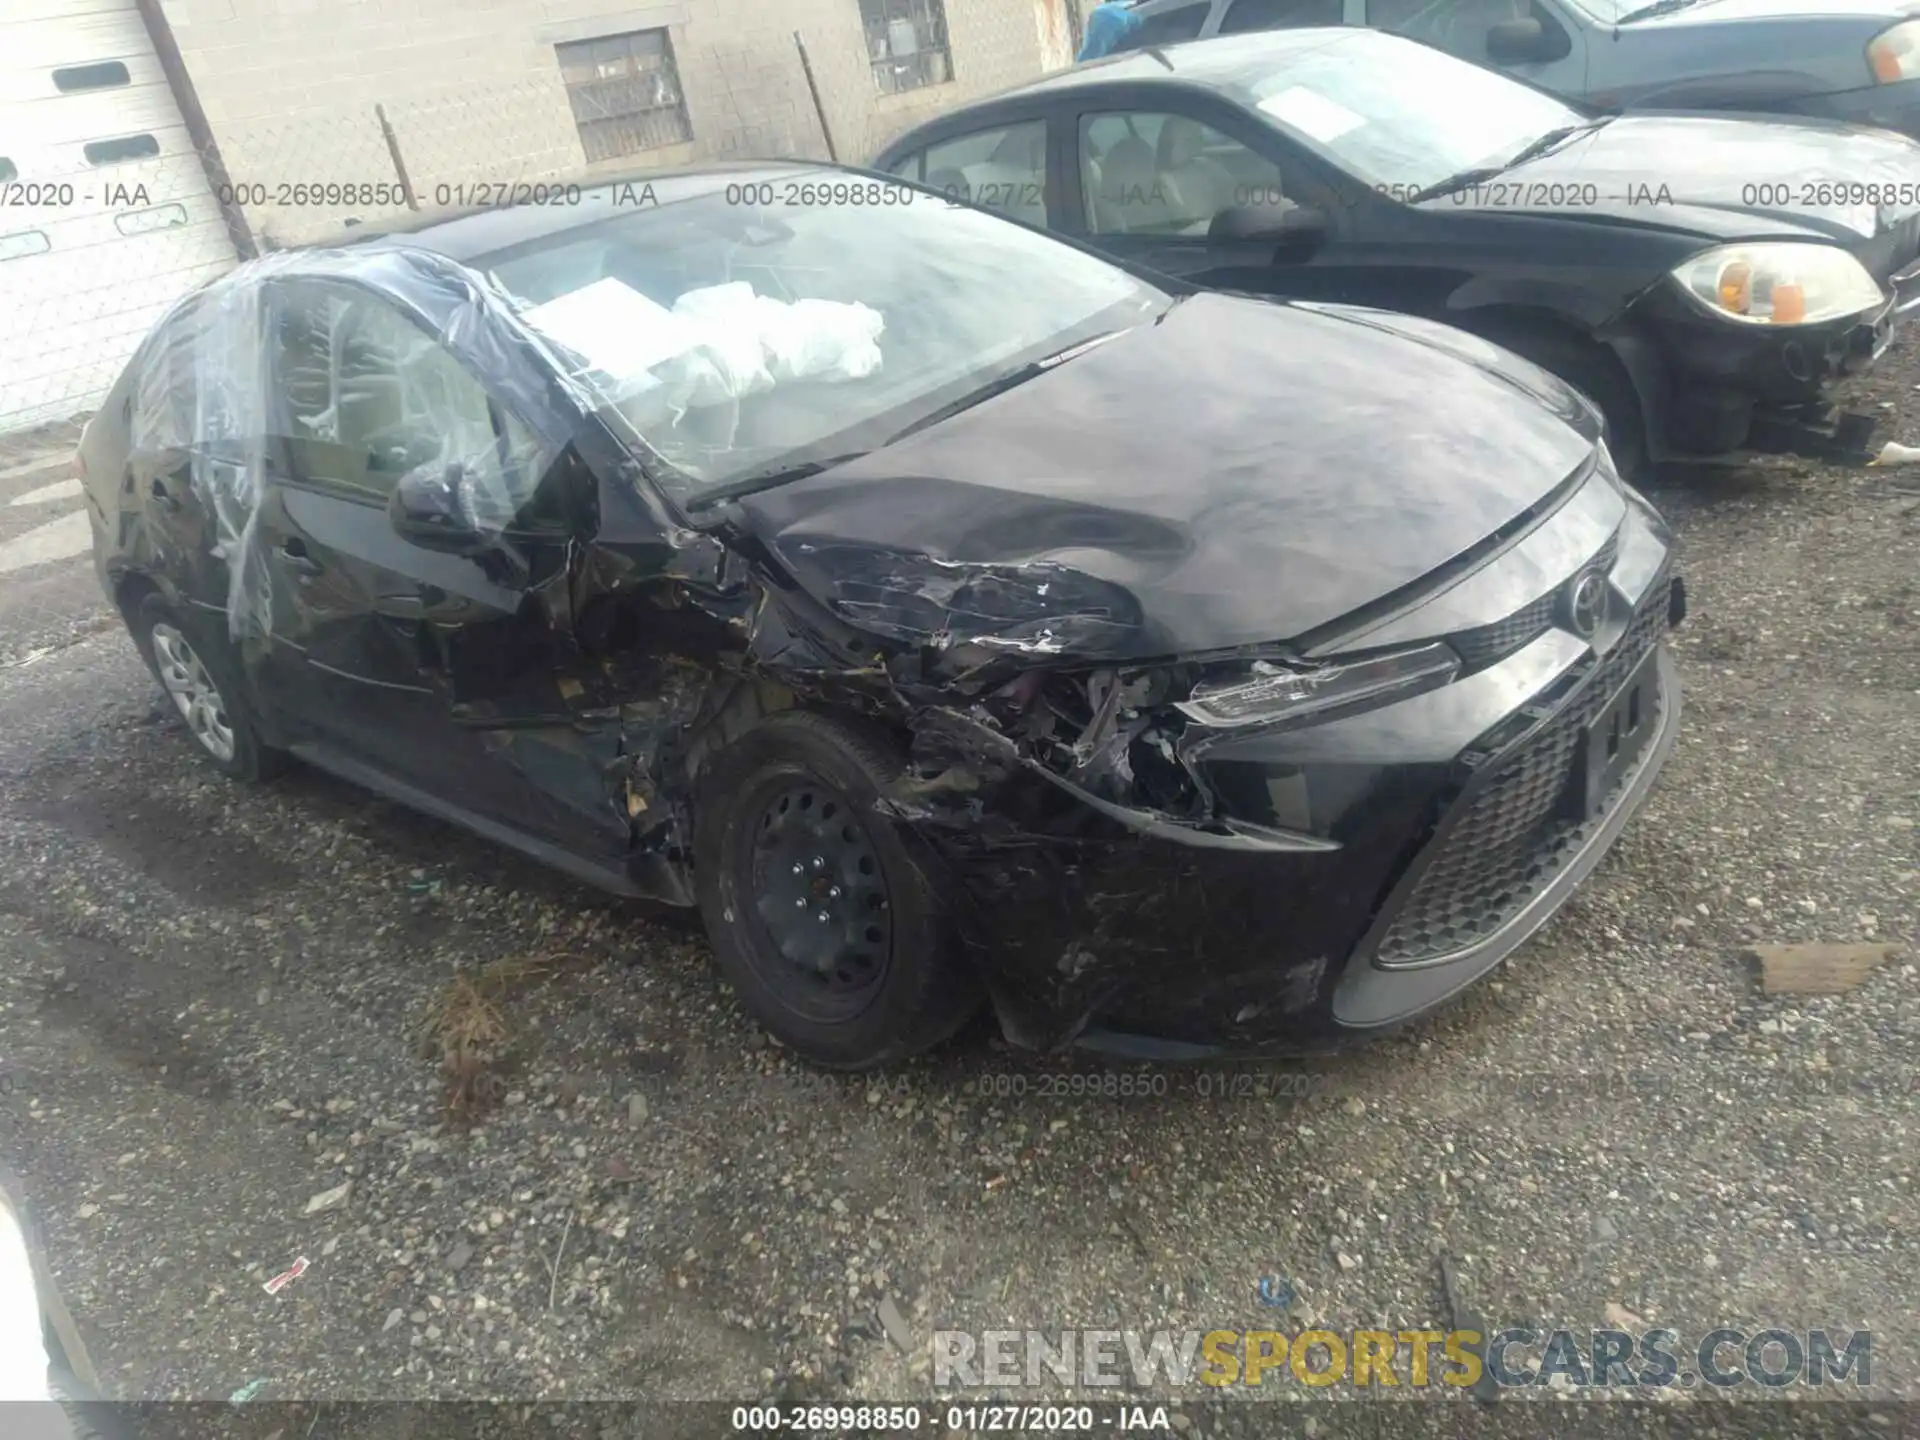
{"x": 831, "y": 933}
{"x": 1591, "y": 369}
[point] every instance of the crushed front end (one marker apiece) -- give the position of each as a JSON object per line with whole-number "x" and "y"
{"x": 1142, "y": 863}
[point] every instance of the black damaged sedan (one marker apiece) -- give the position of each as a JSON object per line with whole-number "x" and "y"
{"x": 953, "y": 616}
{"x": 1713, "y": 282}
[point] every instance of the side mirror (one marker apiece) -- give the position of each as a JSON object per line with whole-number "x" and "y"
{"x": 431, "y": 508}
{"x": 1513, "y": 42}
{"x": 1297, "y": 228}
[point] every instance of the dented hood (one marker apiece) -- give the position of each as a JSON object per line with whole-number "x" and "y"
{"x": 1238, "y": 472}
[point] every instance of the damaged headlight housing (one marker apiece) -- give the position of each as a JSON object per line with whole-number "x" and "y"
{"x": 1283, "y": 693}
{"x": 1782, "y": 283}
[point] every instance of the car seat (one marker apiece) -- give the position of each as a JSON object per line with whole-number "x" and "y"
{"x": 1201, "y": 187}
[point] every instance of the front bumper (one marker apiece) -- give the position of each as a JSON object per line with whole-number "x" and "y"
{"x": 1454, "y": 843}
{"x": 1719, "y": 386}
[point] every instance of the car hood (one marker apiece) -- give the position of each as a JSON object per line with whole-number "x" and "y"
{"x": 1240, "y": 472}
{"x": 1875, "y": 14}
{"x": 1720, "y": 175}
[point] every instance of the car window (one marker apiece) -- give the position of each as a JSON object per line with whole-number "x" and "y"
{"x": 1250, "y": 15}
{"x": 910, "y": 167}
{"x": 1458, "y": 27}
{"x": 1003, "y": 169}
{"x": 1147, "y": 173}
{"x": 1167, "y": 27}
{"x": 365, "y": 395}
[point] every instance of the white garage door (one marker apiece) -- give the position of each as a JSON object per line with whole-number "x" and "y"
{"x": 105, "y": 212}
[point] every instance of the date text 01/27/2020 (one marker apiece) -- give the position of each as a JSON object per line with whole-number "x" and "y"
{"x": 950, "y": 1419}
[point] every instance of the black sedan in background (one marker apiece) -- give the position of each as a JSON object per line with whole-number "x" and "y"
{"x": 1705, "y": 279}
{"x": 1178, "y": 671}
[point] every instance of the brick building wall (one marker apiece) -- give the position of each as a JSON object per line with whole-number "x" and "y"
{"x": 472, "y": 89}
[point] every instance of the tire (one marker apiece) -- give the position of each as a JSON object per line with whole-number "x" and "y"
{"x": 787, "y": 831}
{"x": 1590, "y": 368}
{"x": 195, "y": 665}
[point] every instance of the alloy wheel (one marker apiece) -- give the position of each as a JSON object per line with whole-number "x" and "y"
{"x": 194, "y": 694}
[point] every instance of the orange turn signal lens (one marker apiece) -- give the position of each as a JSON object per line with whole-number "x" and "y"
{"x": 1789, "y": 302}
{"x": 1886, "y": 65}
{"x": 1736, "y": 287}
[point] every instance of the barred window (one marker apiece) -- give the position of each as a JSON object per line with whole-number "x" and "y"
{"x": 907, "y": 43}
{"x": 625, "y": 93}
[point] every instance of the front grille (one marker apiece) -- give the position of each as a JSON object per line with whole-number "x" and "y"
{"x": 1485, "y": 644}
{"x": 1513, "y": 837}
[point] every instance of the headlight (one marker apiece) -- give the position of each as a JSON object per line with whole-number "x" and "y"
{"x": 1280, "y": 693}
{"x": 1779, "y": 283}
{"x": 1894, "y": 54}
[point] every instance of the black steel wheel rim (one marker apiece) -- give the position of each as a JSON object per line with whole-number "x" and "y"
{"x": 820, "y": 897}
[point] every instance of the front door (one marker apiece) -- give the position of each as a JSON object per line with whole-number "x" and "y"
{"x": 405, "y": 659}
{"x": 1152, "y": 184}
{"x": 1557, "y": 60}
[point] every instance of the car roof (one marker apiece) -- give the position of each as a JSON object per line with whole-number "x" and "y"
{"x": 1220, "y": 62}
{"x": 462, "y": 234}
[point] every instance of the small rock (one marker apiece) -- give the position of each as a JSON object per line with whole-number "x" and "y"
{"x": 1604, "y": 1229}
{"x": 1355, "y": 1105}
{"x": 87, "y": 1212}
{"x": 418, "y": 1317}
{"x": 458, "y": 1256}
{"x": 330, "y": 1199}
{"x": 1346, "y": 1261}
{"x": 394, "y": 1317}
{"x": 579, "y": 1150}
{"x": 1621, "y": 1318}
{"x": 1769, "y": 1027}
{"x": 332, "y": 1245}
{"x": 637, "y": 1110}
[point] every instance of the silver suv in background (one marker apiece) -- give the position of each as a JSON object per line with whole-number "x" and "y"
{"x": 1851, "y": 60}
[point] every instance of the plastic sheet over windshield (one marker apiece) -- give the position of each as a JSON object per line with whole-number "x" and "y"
{"x": 738, "y": 338}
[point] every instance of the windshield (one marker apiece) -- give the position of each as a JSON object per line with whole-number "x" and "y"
{"x": 1401, "y": 117}
{"x": 1611, "y": 12}
{"x": 737, "y": 338}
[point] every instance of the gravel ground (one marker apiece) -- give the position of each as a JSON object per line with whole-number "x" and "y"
{"x": 209, "y": 997}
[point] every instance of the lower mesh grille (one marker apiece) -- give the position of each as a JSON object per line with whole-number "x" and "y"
{"x": 1513, "y": 836}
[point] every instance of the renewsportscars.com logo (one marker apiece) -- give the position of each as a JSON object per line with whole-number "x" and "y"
{"x": 1515, "y": 1357}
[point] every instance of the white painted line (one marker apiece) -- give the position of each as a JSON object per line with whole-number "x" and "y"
{"x": 48, "y": 460}
{"x": 55, "y": 540}
{"x": 59, "y": 490}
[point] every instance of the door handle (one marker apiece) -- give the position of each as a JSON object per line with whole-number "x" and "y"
{"x": 293, "y": 554}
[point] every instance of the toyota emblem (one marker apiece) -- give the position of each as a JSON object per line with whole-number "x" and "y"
{"x": 1586, "y": 603}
